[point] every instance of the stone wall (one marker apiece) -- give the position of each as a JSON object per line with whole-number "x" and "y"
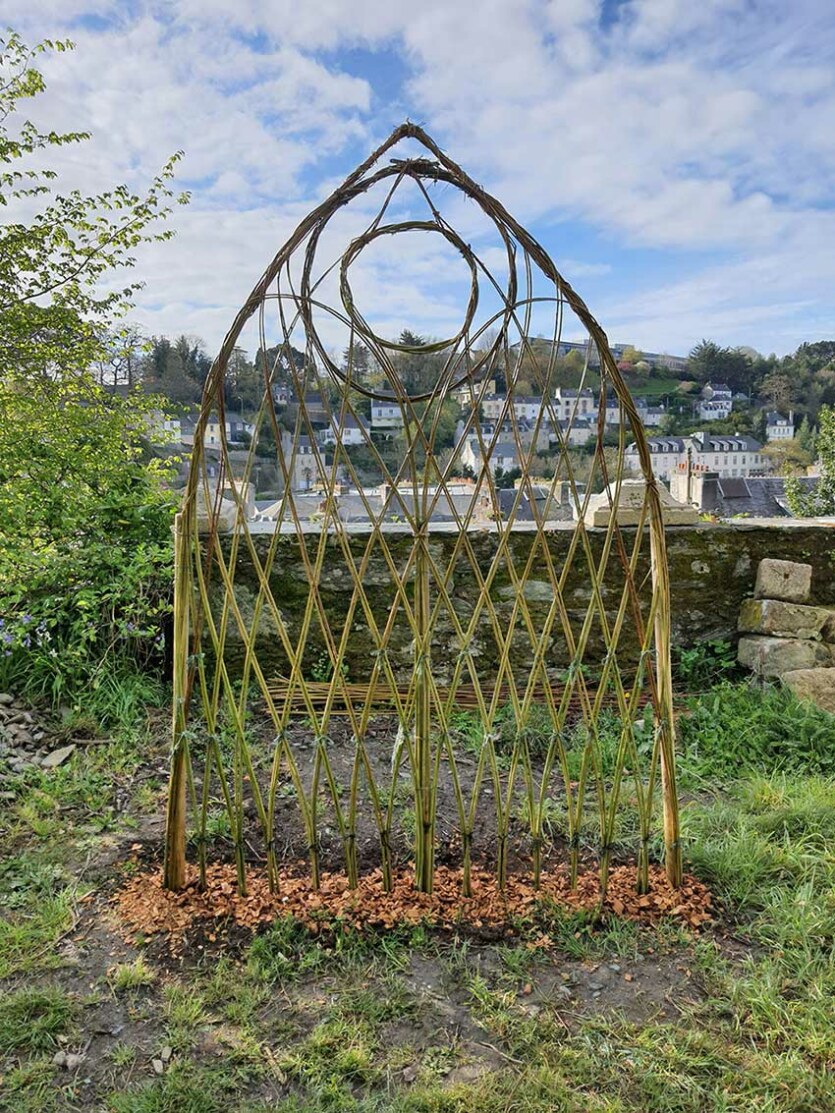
{"x": 712, "y": 566}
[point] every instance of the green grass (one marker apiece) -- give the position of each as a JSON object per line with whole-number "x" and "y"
{"x": 737, "y": 729}
{"x": 33, "y": 1019}
{"x": 27, "y": 937}
{"x": 125, "y": 976}
{"x": 323, "y": 1025}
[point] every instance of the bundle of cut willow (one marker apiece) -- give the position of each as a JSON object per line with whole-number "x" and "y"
{"x": 381, "y": 695}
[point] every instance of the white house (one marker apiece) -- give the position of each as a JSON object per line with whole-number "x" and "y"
{"x": 716, "y": 402}
{"x": 726, "y": 454}
{"x": 579, "y": 432}
{"x": 163, "y": 429}
{"x": 666, "y": 454}
{"x": 570, "y": 402}
{"x": 493, "y": 407}
{"x": 386, "y": 413}
{"x": 527, "y": 407}
{"x": 351, "y": 431}
{"x": 502, "y": 456}
{"x": 300, "y": 455}
{"x": 779, "y": 428}
{"x": 237, "y": 430}
{"x": 469, "y": 391}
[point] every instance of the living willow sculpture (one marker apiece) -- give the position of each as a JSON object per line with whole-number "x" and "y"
{"x": 420, "y": 529}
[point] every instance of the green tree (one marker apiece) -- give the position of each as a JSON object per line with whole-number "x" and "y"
{"x": 631, "y": 355}
{"x": 820, "y": 501}
{"x": 85, "y": 544}
{"x": 708, "y": 362}
{"x": 805, "y": 436}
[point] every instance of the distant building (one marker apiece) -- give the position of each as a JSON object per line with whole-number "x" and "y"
{"x": 469, "y": 391}
{"x": 716, "y": 402}
{"x": 386, "y": 413}
{"x": 493, "y": 407}
{"x": 502, "y": 455}
{"x": 728, "y": 455}
{"x": 527, "y": 407}
{"x": 779, "y": 428}
{"x": 235, "y": 431}
{"x": 349, "y": 431}
{"x": 735, "y": 497}
{"x": 666, "y": 454}
{"x": 317, "y": 408}
{"x": 569, "y": 401}
{"x": 163, "y": 429}
{"x": 305, "y": 470}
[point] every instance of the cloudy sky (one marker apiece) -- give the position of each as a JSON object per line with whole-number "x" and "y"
{"x": 677, "y": 159}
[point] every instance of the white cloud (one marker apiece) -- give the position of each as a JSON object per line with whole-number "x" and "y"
{"x": 691, "y": 128}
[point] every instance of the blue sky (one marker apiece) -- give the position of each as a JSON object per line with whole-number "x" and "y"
{"x": 677, "y": 159}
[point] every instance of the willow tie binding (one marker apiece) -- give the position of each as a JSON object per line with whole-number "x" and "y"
{"x": 212, "y": 702}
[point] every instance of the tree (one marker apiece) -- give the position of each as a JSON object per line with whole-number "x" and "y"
{"x": 178, "y": 370}
{"x": 819, "y": 502}
{"x": 121, "y": 361}
{"x": 51, "y": 266}
{"x": 417, "y": 364}
{"x": 805, "y": 436}
{"x": 357, "y": 359}
{"x": 85, "y": 546}
{"x": 708, "y": 362}
{"x": 243, "y": 386}
{"x": 778, "y": 389}
{"x": 631, "y": 356}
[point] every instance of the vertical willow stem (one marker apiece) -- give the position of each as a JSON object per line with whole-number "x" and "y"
{"x": 665, "y": 724}
{"x": 425, "y": 836}
{"x": 174, "y": 871}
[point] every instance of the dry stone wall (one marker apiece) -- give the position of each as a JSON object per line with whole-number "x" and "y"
{"x": 785, "y": 636}
{"x": 713, "y": 568}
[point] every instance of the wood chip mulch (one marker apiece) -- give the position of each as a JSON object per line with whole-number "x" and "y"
{"x": 146, "y": 908}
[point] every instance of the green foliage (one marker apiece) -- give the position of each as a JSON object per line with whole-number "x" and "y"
{"x": 50, "y": 268}
{"x": 821, "y": 500}
{"x": 285, "y": 951}
{"x": 185, "y": 1088}
{"x": 176, "y": 370}
{"x": 705, "y": 663}
{"x": 710, "y": 362}
{"x": 85, "y": 556}
{"x": 739, "y": 728}
{"x": 85, "y": 548}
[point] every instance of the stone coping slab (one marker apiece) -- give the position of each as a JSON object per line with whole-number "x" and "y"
{"x": 779, "y": 619}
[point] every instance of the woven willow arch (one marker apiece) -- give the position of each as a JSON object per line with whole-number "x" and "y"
{"x": 443, "y": 625}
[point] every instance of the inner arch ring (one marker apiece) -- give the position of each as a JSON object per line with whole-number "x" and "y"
{"x": 359, "y": 322}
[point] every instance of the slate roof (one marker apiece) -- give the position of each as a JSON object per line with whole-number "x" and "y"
{"x": 756, "y": 496}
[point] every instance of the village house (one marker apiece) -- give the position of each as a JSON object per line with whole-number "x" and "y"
{"x": 236, "y": 431}
{"x": 716, "y": 402}
{"x": 725, "y": 454}
{"x": 735, "y": 497}
{"x": 779, "y": 428}
{"x": 348, "y": 430}
{"x": 502, "y": 455}
{"x": 386, "y": 413}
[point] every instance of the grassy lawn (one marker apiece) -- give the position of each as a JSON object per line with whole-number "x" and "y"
{"x": 608, "y": 1017}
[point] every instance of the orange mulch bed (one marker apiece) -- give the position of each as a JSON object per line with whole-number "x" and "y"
{"x": 146, "y": 908}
